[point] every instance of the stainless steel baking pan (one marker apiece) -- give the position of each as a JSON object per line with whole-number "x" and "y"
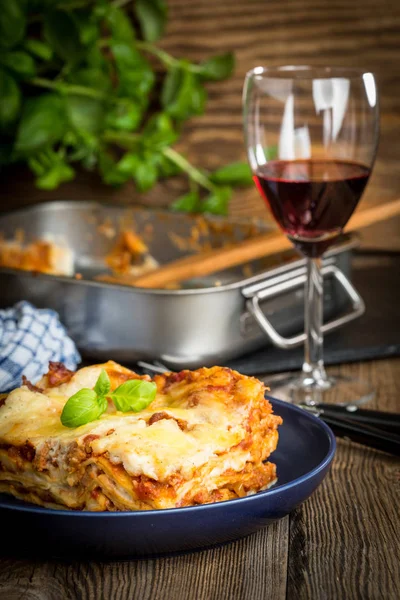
{"x": 205, "y": 322}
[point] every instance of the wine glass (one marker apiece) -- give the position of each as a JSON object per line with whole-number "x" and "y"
{"x": 311, "y": 137}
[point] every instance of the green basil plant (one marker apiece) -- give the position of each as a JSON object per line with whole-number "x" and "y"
{"x": 82, "y": 83}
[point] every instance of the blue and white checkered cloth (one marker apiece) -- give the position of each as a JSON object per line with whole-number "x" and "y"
{"x": 29, "y": 338}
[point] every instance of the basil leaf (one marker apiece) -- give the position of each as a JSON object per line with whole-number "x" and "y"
{"x": 129, "y": 163}
{"x": 125, "y": 115}
{"x": 159, "y": 132}
{"x": 101, "y": 9}
{"x": 109, "y": 171}
{"x": 39, "y": 49}
{"x": 57, "y": 174}
{"x": 103, "y": 404}
{"x": 95, "y": 58}
{"x": 167, "y": 168}
{"x": 12, "y": 23}
{"x": 218, "y": 67}
{"x": 183, "y": 94}
{"x": 120, "y": 25}
{"x": 21, "y": 63}
{"x": 103, "y": 384}
{"x": 91, "y": 77}
{"x": 171, "y": 86}
{"x": 81, "y": 408}
{"x": 85, "y": 114}
{"x": 62, "y": 34}
{"x": 152, "y": 16}
{"x": 238, "y": 173}
{"x": 198, "y": 98}
{"x": 188, "y": 203}
{"x": 43, "y": 123}
{"x": 159, "y": 123}
{"x": 134, "y": 395}
{"x": 136, "y": 77}
{"x": 36, "y": 166}
{"x": 87, "y": 26}
{"x": 145, "y": 176}
{"x": 217, "y": 202}
{"x": 10, "y": 99}
{"x": 179, "y": 106}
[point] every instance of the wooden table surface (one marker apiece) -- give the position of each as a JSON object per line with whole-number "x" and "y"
{"x": 363, "y": 33}
{"x": 344, "y": 541}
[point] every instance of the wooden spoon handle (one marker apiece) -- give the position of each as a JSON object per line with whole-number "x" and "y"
{"x": 211, "y": 261}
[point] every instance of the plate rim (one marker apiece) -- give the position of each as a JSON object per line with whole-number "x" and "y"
{"x": 273, "y": 491}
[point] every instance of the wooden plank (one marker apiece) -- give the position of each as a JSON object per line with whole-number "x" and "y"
{"x": 253, "y": 568}
{"x": 362, "y": 32}
{"x": 344, "y": 540}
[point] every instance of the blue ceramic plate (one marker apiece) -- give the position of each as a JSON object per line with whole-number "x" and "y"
{"x": 305, "y": 451}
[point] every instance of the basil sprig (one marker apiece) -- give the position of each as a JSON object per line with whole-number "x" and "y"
{"x": 88, "y": 405}
{"x": 85, "y": 85}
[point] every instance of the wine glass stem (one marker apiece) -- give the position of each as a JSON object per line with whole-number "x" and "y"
{"x": 314, "y": 374}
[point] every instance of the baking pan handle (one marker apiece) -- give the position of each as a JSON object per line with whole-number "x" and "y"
{"x": 253, "y": 306}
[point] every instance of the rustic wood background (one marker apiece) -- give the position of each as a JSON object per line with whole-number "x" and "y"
{"x": 363, "y": 33}
{"x": 343, "y": 542}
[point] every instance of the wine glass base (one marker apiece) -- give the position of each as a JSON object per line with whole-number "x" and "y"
{"x": 337, "y": 389}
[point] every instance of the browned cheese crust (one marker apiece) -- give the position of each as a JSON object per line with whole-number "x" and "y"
{"x": 205, "y": 438}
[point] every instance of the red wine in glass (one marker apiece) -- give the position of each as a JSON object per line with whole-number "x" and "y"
{"x": 311, "y": 136}
{"x": 312, "y": 200}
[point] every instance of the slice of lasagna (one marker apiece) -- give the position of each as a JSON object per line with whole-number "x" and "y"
{"x": 204, "y": 438}
{"x": 42, "y": 256}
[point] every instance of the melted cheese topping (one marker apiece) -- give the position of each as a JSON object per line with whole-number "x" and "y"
{"x": 156, "y": 450}
{"x": 204, "y": 438}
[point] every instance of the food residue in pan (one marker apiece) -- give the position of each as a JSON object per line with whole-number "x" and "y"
{"x": 129, "y": 256}
{"x": 42, "y": 256}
